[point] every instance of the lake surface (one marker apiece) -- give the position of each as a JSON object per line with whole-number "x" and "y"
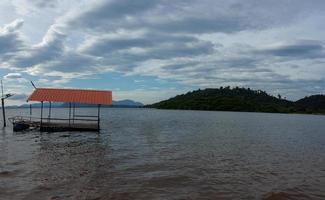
{"x": 167, "y": 154}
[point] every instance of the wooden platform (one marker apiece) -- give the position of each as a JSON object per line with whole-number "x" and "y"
{"x": 21, "y": 123}
{"x": 54, "y": 127}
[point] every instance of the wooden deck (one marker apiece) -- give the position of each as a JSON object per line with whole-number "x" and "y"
{"x": 54, "y": 127}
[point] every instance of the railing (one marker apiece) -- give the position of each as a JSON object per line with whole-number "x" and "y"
{"x": 28, "y": 119}
{"x": 73, "y": 122}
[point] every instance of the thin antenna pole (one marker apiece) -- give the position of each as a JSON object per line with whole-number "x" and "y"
{"x": 33, "y": 84}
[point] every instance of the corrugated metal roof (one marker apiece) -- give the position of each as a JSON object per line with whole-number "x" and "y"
{"x": 72, "y": 96}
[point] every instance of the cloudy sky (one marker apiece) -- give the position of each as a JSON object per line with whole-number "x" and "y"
{"x": 149, "y": 50}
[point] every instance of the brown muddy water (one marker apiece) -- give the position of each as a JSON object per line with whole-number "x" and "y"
{"x": 166, "y": 154}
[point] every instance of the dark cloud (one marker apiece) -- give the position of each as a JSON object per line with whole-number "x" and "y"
{"x": 10, "y": 40}
{"x": 51, "y": 48}
{"x": 153, "y": 46}
{"x": 51, "y": 58}
{"x": 105, "y": 45}
{"x": 180, "y": 66}
{"x": 109, "y": 14}
{"x": 202, "y": 25}
{"x": 191, "y": 16}
{"x": 71, "y": 62}
{"x": 172, "y": 30}
{"x": 9, "y": 43}
{"x": 181, "y": 50}
{"x": 238, "y": 62}
{"x": 302, "y": 50}
{"x": 127, "y": 61}
{"x": 44, "y": 3}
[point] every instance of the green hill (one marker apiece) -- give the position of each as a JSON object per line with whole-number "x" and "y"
{"x": 311, "y": 104}
{"x": 240, "y": 99}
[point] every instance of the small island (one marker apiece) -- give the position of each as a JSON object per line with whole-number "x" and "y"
{"x": 242, "y": 99}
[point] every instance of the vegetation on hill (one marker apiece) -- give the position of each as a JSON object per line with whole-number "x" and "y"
{"x": 241, "y": 99}
{"x": 311, "y": 104}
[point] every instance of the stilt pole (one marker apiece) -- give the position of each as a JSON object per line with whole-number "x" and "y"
{"x": 98, "y": 117}
{"x": 50, "y": 110}
{"x": 3, "y": 112}
{"x": 30, "y": 112}
{"x": 41, "y": 127}
{"x": 69, "y": 114}
{"x": 73, "y": 112}
{"x": 3, "y": 106}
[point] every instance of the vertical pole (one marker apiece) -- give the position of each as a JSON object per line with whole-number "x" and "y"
{"x": 3, "y": 112}
{"x": 41, "y": 127}
{"x": 3, "y": 106}
{"x": 69, "y": 114}
{"x": 50, "y": 109}
{"x": 98, "y": 117}
{"x": 30, "y": 112}
{"x": 73, "y": 112}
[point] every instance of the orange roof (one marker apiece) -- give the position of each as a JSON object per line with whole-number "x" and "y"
{"x": 72, "y": 96}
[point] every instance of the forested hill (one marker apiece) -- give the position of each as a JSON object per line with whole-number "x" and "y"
{"x": 311, "y": 104}
{"x": 241, "y": 99}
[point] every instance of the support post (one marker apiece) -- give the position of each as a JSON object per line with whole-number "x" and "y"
{"x": 73, "y": 112}
{"x": 30, "y": 112}
{"x": 41, "y": 127}
{"x": 3, "y": 112}
{"x": 69, "y": 114}
{"x": 50, "y": 109}
{"x": 98, "y": 117}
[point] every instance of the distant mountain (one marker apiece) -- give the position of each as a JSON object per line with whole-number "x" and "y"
{"x": 127, "y": 103}
{"x": 38, "y": 105}
{"x": 241, "y": 99}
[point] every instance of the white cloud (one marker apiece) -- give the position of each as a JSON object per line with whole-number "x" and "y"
{"x": 13, "y": 76}
{"x": 26, "y": 7}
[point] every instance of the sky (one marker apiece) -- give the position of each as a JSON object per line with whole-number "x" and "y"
{"x": 150, "y": 50}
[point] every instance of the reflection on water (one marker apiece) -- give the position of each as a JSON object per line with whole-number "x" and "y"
{"x": 161, "y": 154}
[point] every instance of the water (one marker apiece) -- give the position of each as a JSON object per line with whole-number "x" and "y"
{"x": 166, "y": 154}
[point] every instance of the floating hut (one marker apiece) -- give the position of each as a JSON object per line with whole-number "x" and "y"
{"x": 73, "y": 122}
